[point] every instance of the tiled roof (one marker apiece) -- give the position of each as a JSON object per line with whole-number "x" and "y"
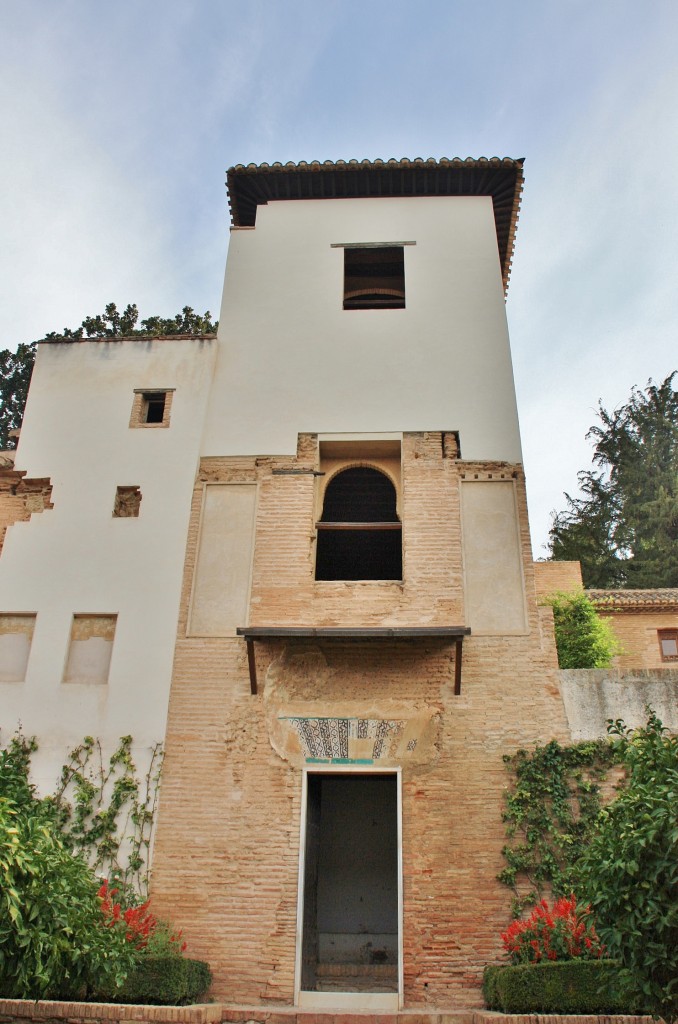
{"x": 635, "y": 600}
{"x": 499, "y": 177}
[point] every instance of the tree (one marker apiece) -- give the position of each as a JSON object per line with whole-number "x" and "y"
{"x": 583, "y": 639}
{"x": 16, "y": 368}
{"x": 629, "y": 869}
{"x": 54, "y": 940}
{"x": 624, "y": 527}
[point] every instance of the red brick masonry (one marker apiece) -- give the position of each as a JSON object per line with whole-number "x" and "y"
{"x": 45, "y": 1012}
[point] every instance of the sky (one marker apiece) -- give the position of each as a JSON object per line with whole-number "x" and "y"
{"x": 118, "y": 122}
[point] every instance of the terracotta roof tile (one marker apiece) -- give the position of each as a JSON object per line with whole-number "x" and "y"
{"x": 636, "y": 600}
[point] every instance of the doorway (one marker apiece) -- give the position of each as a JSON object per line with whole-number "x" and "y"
{"x": 349, "y": 946}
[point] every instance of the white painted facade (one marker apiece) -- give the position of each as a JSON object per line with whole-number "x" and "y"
{"x": 292, "y": 360}
{"x": 77, "y": 559}
{"x": 288, "y": 359}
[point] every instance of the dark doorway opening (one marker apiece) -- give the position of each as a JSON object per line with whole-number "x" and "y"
{"x": 350, "y": 921}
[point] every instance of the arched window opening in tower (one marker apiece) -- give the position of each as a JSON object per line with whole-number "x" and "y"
{"x": 359, "y": 534}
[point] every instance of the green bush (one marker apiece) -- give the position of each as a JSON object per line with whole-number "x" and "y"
{"x": 53, "y": 939}
{"x": 162, "y": 980}
{"x": 629, "y": 868}
{"x": 583, "y": 639}
{"x": 568, "y": 986}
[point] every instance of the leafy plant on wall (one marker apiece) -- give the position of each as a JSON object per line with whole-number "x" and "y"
{"x": 621, "y": 858}
{"x": 550, "y": 812}
{"x": 103, "y": 810}
{"x": 107, "y": 812}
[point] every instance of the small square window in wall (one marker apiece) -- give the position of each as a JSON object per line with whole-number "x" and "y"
{"x": 668, "y": 644}
{"x": 16, "y": 636}
{"x": 374, "y": 277}
{"x": 127, "y": 502}
{"x": 89, "y": 652}
{"x": 151, "y": 407}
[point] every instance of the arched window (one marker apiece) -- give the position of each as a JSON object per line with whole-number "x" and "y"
{"x": 359, "y": 534}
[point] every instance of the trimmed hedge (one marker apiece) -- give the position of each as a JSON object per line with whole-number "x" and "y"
{"x": 566, "y": 986}
{"x": 164, "y": 981}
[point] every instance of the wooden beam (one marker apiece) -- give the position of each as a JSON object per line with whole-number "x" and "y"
{"x": 252, "y": 666}
{"x": 457, "y": 666}
{"x": 358, "y": 526}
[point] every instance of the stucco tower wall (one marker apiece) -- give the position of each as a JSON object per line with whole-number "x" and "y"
{"x": 292, "y": 360}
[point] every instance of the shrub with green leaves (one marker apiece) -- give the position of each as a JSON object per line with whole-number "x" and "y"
{"x": 165, "y": 980}
{"x": 583, "y": 639}
{"x": 569, "y": 986}
{"x": 53, "y": 938}
{"x": 629, "y": 869}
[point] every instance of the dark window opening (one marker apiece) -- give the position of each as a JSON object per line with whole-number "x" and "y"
{"x": 359, "y": 534}
{"x": 374, "y": 278}
{"x": 154, "y": 406}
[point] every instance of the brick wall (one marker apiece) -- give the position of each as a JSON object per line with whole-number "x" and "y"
{"x": 637, "y": 634}
{"x": 227, "y": 846}
{"x": 552, "y": 577}
{"x": 20, "y": 498}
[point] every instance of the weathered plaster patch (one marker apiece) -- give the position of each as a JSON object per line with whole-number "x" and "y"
{"x": 304, "y": 729}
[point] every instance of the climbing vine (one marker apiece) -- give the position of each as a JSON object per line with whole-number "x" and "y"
{"x": 104, "y": 811}
{"x": 549, "y": 813}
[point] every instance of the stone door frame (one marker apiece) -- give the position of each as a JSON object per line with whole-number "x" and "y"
{"x": 349, "y": 1000}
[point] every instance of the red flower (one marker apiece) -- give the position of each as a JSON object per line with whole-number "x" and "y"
{"x": 564, "y": 932}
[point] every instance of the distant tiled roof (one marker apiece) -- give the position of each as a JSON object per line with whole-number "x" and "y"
{"x": 635, "y": 600}
{"x": 499, "y": 177}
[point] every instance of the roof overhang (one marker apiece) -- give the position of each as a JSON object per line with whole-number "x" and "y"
{"x": 451, "y": 634}
{"x": 659, "y": 600}
{"x": 501, "y": 178}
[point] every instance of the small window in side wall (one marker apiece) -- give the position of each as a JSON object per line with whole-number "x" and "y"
{"x": 90, "y": 649}
{"x": 16, "y": 636}
{"x": 151, "y": 408}
{"x": 668, "y": 644}
{"x": 374, "y": 278}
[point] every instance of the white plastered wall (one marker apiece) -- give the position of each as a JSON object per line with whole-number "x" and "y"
{"x": 291, "y": 359}
{"x": 77, "y": 558}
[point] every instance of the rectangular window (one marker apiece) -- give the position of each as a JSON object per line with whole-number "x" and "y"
{"x": 668, "y": 644}
{"x": 16, "y": 636}
{"x": 151, "y": 408}
{"x": 89, "y": 652}
{"x": 374, "y": 277}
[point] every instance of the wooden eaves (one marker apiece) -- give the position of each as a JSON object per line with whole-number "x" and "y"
{"x": 455, "y": 634}
{"x": 500, "y": 178}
